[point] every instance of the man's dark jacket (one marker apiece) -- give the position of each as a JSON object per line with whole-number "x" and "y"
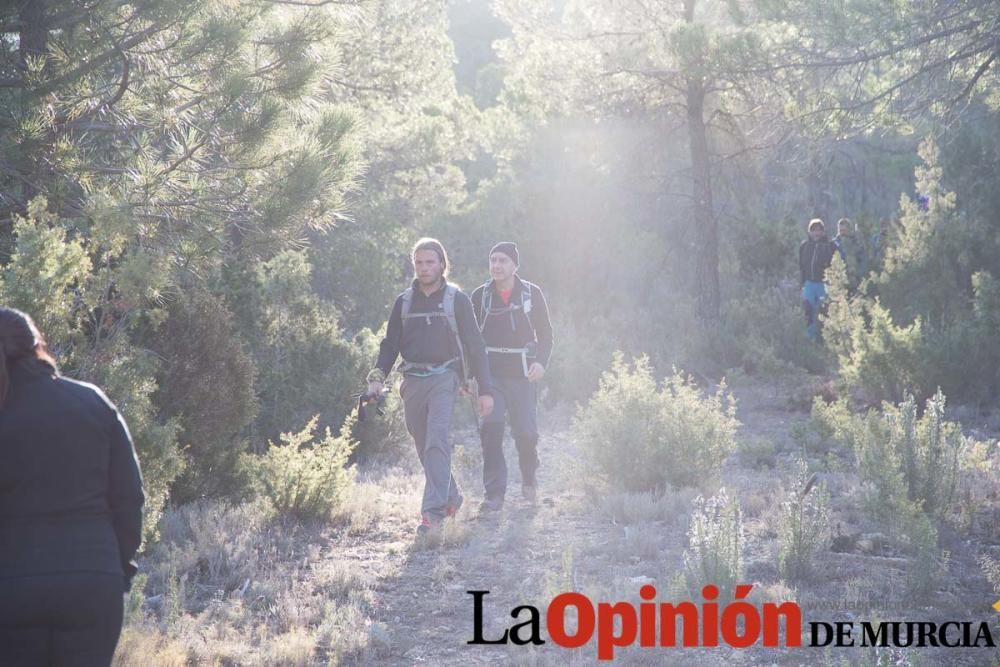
{"x": 70, "y": 488}
{"x": 513, "y": 329}
{"x": 430, "y": 340}
{"x": 815, "y": 258}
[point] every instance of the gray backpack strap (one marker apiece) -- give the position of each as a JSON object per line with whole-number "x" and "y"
{"x": 526, "y": 305}
{"x": 485, "y": 303}
{"x": 450, "y": 292}
{"x": 407, "y": 302}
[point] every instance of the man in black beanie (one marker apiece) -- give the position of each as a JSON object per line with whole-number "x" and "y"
{"x": 514, "y": 319}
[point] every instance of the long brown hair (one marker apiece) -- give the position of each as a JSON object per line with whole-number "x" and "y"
{"x": 428, "y": 243}
{"x": 19, "y": 340}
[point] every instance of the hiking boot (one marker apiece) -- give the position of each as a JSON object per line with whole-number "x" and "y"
{"x": 491, "y": 505}
{"x": 452, "y": 509}
{"x": 428, "y": 526}
{"x": 530, "y": 492}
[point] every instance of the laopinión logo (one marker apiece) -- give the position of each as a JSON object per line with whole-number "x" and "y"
{"x": 738, "y": 624}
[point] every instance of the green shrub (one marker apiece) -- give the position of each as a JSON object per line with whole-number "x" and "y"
{"x": 757, "y": 452}
{"x": 206, "y": 383}
{"x": 905, "y": 460}
{"x": 925, "y": 569}
{"x": 50, "y": 276}
{"x": 963, "y": 355}
{"x": 715, "y": 544}
{"x": 825, "y": 430}
{"x": 926, "y": 451}
{"x": 762, "y": 330}
{"x": 882, "y": 360}
{"x": 303, "y": 477}
{"x": 882, "y": 485}
{"x": 928, "y": 268}
{"x": 804, "y": 525}
{"x": 934, "y": 320}
{"x": 304, "y": 364}
{"x": 644, "y": 435}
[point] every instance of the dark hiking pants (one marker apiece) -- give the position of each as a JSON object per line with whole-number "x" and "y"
{"x": 517, "y": 398}
{"x": 60, "y": 620}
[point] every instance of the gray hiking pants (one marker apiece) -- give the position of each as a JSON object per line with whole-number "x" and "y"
{"x": 428, "y": 404}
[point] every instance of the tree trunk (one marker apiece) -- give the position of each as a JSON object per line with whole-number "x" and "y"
{"x": 33, "y": 38}
{"x": 706, "y": 279}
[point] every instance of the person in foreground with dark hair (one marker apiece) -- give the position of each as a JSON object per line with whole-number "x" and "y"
{"x": 71, "y": 502}
{"x": 433, "y": 328}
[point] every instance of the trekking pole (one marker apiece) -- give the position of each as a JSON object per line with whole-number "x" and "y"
{"x": 472, "y": 389}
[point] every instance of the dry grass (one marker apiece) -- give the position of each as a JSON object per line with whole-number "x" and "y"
{"x": 148, "y": 646}
{"x": 236, "y": 585}
{"x": 627, "y": 508}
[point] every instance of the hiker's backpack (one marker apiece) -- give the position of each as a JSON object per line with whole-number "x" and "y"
{"x": 447, "y": 311}
{"x": 486, "y": 305}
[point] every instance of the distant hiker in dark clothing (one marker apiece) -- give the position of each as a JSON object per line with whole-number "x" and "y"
{"x": 432, "y": 327}
{"x": 815, "y": 255}
{"x": 852, "y": 251}
{"x": 514, "y": 318}
{"x": 70, "y": 509}
{"x": 880, "y": 241}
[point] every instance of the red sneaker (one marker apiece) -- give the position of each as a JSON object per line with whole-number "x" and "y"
{"x": 428, "y": 525}
{"x": 452, "y": 509}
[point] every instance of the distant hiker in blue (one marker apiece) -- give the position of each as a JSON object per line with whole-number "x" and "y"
{"x": 815, "y": 255}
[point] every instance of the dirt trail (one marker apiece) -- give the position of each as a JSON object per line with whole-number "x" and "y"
{"x": 570, "y": 540}
{"x": 420, "y": 587}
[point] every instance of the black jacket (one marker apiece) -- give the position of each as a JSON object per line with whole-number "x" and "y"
{"x": 815, "y": 258}
{"x": 70, "y": 488}
{"x": 431, "y": 341}
{"x": 513, "y": 328}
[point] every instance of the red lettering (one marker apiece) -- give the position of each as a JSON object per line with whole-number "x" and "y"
{"x": 555, "y": 620}
{"x": 607, "y": 640}
{"x": 710, "y": 616}
{"x": 793, "y": 623}
{"x": 668, "y": 623}
{"x": 751, "y": 620}
{"x": 647, "y": 617}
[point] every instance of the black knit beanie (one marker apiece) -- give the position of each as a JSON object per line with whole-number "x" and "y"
{"x": 508, "y": 248}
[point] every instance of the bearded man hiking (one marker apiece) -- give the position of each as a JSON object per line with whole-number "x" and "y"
{"x": 433, "y": 328}
{"x": 514, "y": 319}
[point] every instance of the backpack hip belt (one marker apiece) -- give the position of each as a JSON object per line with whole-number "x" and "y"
{"x": 525, "y": 352}
{"x": 448, "y": 308}
{"x": 406, "y": 367}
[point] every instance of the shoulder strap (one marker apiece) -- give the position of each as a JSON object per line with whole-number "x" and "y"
{"x": 485, "y": 303}
{"x": 407, "y": 302}
{"x": 526, "y": 305}
{"x": 450, "y": 292}
{"x": 449, "y": 307}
